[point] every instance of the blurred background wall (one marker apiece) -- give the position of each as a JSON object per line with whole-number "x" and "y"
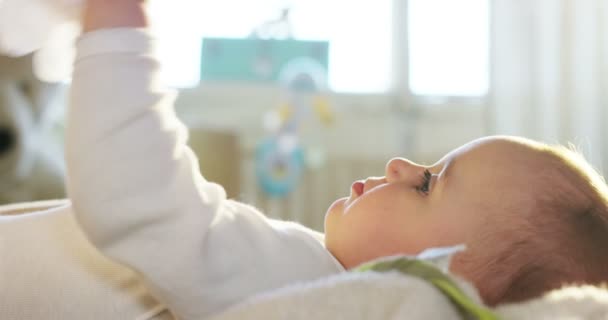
{"x": 404, "y": 78}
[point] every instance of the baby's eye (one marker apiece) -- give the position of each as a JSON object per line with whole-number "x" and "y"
{"x": 426, "y": 182}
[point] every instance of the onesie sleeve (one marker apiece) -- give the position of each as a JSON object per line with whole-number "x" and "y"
{"x": 140, "y": 198}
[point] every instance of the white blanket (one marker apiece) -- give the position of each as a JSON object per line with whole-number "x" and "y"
{"x": 395, "y": 296}
{"x": 350, "y": 296}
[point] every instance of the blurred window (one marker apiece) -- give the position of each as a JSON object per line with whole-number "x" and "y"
{"x": 448, "y": 47}
{"x": 359, "y": 33}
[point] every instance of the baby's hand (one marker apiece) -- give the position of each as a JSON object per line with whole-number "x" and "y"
{"x": 101, "y": 14}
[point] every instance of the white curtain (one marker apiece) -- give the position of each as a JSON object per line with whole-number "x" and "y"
{"x": 550, "y": 73}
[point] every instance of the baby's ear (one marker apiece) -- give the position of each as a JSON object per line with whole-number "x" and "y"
{"x": 441, "y": 257}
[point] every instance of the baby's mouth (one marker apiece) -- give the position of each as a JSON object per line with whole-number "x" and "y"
{"x": 357, "y": 188}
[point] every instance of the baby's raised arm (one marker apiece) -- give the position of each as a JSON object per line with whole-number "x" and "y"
{"x": 137, "y": 191}
{"x": 134, "y": 183}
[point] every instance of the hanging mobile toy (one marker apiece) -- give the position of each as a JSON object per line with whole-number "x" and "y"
{"x": 280, "y": 159}
{"x": 279, "y": 164}
{"x": 279, "y": 28}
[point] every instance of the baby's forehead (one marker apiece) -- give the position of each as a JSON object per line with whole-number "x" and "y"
{"x": 495, "y": 165}
{"x": 497, "y": 153}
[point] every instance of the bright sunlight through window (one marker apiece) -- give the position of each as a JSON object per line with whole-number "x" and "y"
{"x": 359, "y": 33}
{"x": 448, "y": 47}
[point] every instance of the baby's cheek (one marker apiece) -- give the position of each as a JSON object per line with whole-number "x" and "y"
{"x": 379, "y": 236}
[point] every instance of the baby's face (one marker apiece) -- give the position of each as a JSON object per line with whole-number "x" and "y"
{"x": 414, "y": 207}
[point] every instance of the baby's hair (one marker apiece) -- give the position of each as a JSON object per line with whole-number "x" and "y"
{"x": 560, "y": 238}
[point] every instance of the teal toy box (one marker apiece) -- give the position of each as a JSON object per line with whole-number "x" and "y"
{"x": 258, "y": 60}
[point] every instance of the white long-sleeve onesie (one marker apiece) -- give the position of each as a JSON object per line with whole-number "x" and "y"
{"x": 140, "y": 198}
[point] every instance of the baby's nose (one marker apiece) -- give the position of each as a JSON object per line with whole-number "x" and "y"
{"x": 399, "y": 169}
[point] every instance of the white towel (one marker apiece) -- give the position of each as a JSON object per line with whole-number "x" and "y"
{"x": 392, "y": 295}
{"x": 367, "y": 295}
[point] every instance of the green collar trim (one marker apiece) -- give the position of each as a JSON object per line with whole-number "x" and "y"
{"x": 467, "y": 308}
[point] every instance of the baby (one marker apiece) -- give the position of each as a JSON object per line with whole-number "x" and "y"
{"x": 534, "y": 217}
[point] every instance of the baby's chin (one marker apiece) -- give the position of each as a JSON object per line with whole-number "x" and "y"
{"x": 336, "y": 209}
{"x": 333, "y": 214}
